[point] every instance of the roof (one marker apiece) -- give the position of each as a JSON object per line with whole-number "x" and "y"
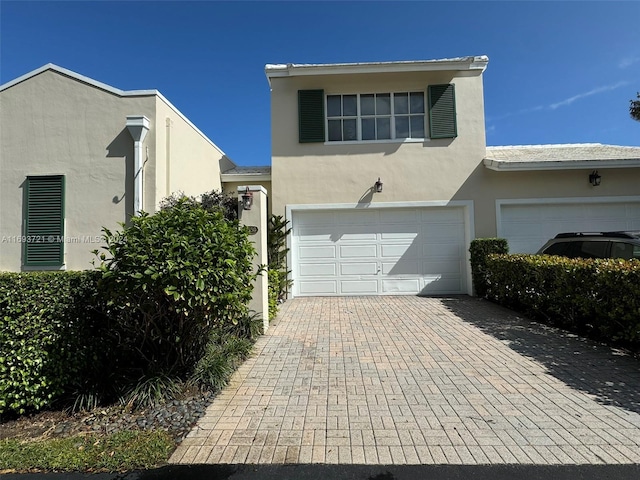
{"x": 295, "y": 69}
{"x": 561, "y": 157}
{"x": 107, "y": 88}
{"x": 247, "y": 174}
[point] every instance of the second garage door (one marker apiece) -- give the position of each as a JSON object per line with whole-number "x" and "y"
{"x": 527, "y": 226}
{"x": 379, "y": 251}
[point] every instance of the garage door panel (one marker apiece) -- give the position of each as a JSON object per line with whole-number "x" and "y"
{"x": 359, "y": 268}
{"x": 396, "y": 251}
{"x": 379, "y": 251}
{"x": 358, "y": 251}
{"x": 437, "y": 285}
{"x": 327, "y": 251}
{"x": 408, "y": 285}
{"x": 401, "y": 267}
{"x": 408, "y": 217}
{"x": 438, "y": 266}
{"x": 441, "y": 250}
{"x": 362, "y": 287}
{"x": 442, "y": 216}
{"x": 317, "y": 269}
{"x": 360, "y": 217}
{"x": 318, "y": 287}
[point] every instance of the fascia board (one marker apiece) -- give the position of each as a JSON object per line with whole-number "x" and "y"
{"x": 291, "y": 70}
{"x": 499, "y": 166}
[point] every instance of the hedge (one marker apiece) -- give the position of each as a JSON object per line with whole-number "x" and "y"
{"x": 595, "y": 297}
{"x": 47, "y": 326}
{"x": 479, "y": 249}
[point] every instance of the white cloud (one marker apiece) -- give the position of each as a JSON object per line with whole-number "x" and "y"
{"x": 595, "y": 91}
{"x": 628, "y": 61}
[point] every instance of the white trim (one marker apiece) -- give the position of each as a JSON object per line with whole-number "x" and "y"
{"x": 459, "y": 63}
{"x": 468, "y": 212}
{"x": 550, "y": 201}
{"x": 388, "y": 140}
{"x": 502, "y": 166}
{"x": 239, "y": 177}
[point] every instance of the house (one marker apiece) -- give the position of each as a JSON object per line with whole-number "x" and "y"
{"x": 77, "y": 155}
{"x": 384, "y": 173}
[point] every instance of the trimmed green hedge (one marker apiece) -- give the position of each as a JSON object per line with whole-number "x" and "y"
{"x": 599, "y": 298}
{"x": 479, "y": 249}
{"x": 46, "y": 322}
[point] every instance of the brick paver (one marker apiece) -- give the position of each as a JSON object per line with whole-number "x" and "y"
{"x": 411, "y": 380}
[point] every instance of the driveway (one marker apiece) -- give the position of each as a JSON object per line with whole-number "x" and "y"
{"x": 412, "y": 380}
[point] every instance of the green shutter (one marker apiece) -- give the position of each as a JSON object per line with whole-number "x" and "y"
{"x": 311, "y": 116}
{"x": 442, "y": 111}
{"x": 44, "y": 221}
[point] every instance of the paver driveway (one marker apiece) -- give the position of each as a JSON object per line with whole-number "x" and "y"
{"x": 394, "y": 380}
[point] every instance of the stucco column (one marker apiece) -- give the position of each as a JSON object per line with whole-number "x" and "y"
{"x": 256, "y": 219}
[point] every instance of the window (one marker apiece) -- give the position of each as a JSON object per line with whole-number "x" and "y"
{"x": 44, "y": 221}
{"x": 366, "y": 117}
{"x": 375, "y": 116}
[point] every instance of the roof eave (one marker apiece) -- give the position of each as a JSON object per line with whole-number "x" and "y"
{"x": 244, "y": 177}
{"x": 504, "y": 166}
{"x": 461, "y": 64}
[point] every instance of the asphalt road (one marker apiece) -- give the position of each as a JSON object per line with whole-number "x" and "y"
{"x": 358, "y": 472}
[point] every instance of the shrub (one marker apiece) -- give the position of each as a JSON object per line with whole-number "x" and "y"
{"x": 172, "y": 278}
{"x": 479, "y": 249}
{"x": 599, "y": 298}
{"x": 50, "y": 336}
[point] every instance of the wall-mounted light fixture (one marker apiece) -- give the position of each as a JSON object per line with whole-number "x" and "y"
{"x": 378, "y": 186}
{"x": 594, "y": 178}
{"x": 247, "y": 199}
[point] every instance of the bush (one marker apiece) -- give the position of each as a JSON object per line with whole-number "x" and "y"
{"x": 50, "y": 336}
{"x": 599, "y": 298}
{"x": 479, "y": 249}
{"x": 171, "y": 279}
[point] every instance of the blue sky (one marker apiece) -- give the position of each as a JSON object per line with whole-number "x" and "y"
{"x": 559, "y": 72}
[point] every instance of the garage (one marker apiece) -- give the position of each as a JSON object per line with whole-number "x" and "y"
{"x": 528, "y": 225}
{"x": 379, "y": 251}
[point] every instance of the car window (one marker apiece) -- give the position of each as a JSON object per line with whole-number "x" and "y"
{"x": 625, "y": 250}
{"x": 586, "y": 249}
{"x": 560, "y": 248}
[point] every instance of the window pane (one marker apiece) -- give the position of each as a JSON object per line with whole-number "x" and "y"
{"x": 384, "y": 128}
{"x": 402, "y": 127}
{"x": 349, "y": 131}
{"x": 401, "y": 103}
{"x": 383, "y": 104}
{"x": 417, "y": 102}
{"x": 368, "y": 129}
{"x": 417, "y": 126}
{"x": 349, "y": 106}
{"x": 335, "y": 130}
{"x": 367, "y": 105}
{"x": 333, "y": 105}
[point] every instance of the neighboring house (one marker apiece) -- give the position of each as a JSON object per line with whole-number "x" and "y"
{"x": 384, "y": 173}
{"x": 77, "y": 155}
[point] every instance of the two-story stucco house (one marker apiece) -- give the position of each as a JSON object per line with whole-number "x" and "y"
{"x": 77, "y": 155}
{"x": 384, "y": 173}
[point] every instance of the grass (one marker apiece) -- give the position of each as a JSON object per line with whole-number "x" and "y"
{"x": 127, "y": 450}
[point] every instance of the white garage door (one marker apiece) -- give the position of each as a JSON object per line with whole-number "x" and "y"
{"x": 527, "y": 227}
{"x": 379, "y": 251}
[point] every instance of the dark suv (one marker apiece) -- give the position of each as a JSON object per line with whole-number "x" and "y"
{"x": 624, "y": 245}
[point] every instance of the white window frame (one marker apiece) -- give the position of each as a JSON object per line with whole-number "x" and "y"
{"x": 359, "y": 118}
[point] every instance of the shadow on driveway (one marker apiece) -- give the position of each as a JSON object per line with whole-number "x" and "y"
{"x": 611, "y": 375}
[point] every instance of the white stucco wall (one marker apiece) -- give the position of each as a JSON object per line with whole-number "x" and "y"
{"x": 52, "y": 124}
